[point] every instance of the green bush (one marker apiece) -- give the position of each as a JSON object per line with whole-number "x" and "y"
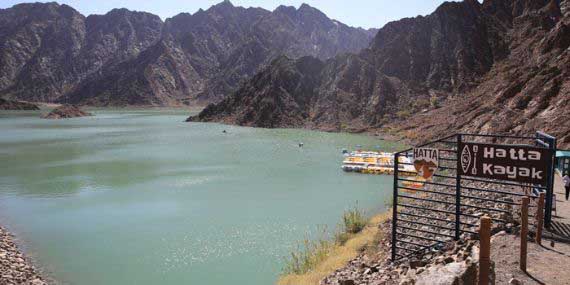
{"x": 341, "y": 237}
{"x": 389, "y": 202}
{"x": 419, "y": 104}
{"x": 434, "y": 102}
{"x": 403, "y": 114}
{"x": 307, "y": 255}
{"x": 354, "y": 221}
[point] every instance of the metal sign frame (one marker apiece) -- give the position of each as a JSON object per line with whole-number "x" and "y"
{"x": 449, "y": 206}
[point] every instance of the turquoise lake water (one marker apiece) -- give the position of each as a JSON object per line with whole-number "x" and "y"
{"x": 140, "y": 197}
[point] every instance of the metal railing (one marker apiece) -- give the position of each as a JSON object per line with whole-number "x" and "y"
{"x": 449, "y": 205}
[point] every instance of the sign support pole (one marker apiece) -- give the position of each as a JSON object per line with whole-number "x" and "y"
{"x": 540, "y": 218}
{"x": 524, "y": 233}
{"x": 550, "y": 187}
{"x": 458, "y": 191}
{"x": 395, "y": 206}
{"x": 485, "y": 250}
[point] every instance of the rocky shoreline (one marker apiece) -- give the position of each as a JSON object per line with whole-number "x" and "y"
{"x": 17, "y": 105}
{"x": 66, "y": 112}
{"x": 15, "y": 268}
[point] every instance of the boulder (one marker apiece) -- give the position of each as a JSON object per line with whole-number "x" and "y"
{"x": 458, "y": 273}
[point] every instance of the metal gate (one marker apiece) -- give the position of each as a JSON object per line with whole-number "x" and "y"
{"x": 428, "y": 214}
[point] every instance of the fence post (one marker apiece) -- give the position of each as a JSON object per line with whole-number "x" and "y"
{"x": 395, "y": 206}
{"x": 458, "y": 190}
{"x": 550, "y": 188}
{"x": 524, "y": 232}
{"x": 485, "y": 251}
{"x": 540, "y": 217}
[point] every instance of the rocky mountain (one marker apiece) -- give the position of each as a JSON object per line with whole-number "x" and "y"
{"x": 496, "y": 66}
{"x": 52, "y": 53}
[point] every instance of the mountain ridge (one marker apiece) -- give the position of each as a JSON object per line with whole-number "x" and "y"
{"x": 52, "y": 53}
{"x": 435, "y": 65}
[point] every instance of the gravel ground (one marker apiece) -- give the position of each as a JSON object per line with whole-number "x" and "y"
{"x": 14, "y": 267}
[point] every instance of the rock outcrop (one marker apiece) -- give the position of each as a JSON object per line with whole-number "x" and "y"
{"x": 66, "y": 112}
{"x": 17, "y": 105}
{"x": 278, "y": 96}
{"x": 496, "y": 66}
{"x": 52, "y": 53}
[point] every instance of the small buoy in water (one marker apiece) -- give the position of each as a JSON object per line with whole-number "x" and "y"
{"x": 301, "y": 144}
{"x": 224, "y": 131}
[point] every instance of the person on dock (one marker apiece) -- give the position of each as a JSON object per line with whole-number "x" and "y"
{"x": 566, "y": 180}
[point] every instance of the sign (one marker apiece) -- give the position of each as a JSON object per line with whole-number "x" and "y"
{"x": 426, "y": 161}
{"x": 525, "y": 164}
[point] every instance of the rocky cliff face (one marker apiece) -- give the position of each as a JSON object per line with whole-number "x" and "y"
{"x": 499, "y": 66}
{"x": 528, "y": 91}
{"x": 51, "y": 53}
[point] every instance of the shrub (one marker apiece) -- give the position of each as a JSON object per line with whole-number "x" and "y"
{"x": 403, "y": 114}
{"x": 419, "y": 104}
{"x": 341, "y": 237}
{"x": 389, "y": 202}
{"x": 307, "y": 255}
{"x": 353, "y": 221}
{"x": 434, "y": 102}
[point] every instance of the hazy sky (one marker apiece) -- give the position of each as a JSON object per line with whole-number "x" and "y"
{"x": 363, "y": 13}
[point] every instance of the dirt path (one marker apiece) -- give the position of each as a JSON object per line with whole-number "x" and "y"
{"x": 547, "y": 264}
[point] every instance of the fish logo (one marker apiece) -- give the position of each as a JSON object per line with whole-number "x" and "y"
{"x": 465, "y": 159}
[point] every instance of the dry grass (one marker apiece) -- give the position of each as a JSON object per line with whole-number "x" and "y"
{"x": 339, "y": 255}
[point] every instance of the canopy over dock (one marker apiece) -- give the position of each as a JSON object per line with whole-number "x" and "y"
{"x": 563, "y": 161}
